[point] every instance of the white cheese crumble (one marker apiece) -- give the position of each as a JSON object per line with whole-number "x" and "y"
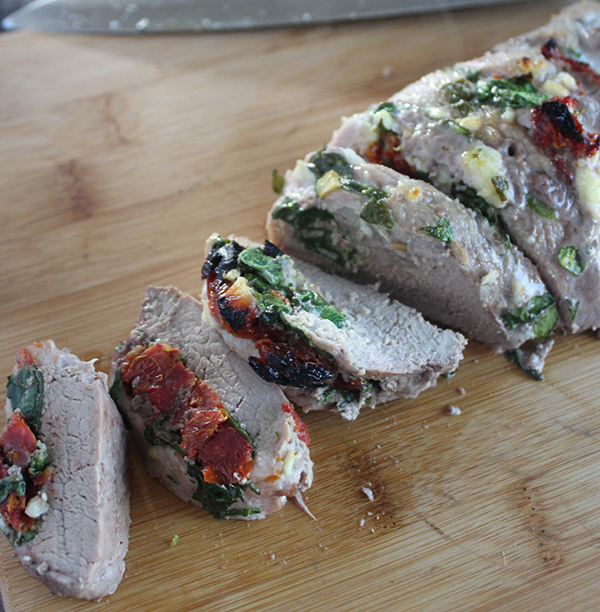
{"x": 386, "y": 119}
{"x": 303, "y": 174}
{"x": 565, "y": 79}
{"x": 37, "y": 505}
{"x": 470, "y": 122}
{"x": 587, "y": 183}
{"x": 482, "y": 165}
{"x": 554, "y": 88}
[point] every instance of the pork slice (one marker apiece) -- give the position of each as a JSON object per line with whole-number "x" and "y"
{"x": 83, "y": 538}
{"x": 382, "y": 341}
{"x": 281, "y": 468}
{"x": 495, "y": 158}
{"x": 471, "y": 282}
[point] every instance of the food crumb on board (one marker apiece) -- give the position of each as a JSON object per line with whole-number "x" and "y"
{"x": 175, "y": 540}
{"x": 452, "y": 410}
{"x": 461, "y": 390}
{"x": 368, "y": 492}
{"x": 361, "y": 523}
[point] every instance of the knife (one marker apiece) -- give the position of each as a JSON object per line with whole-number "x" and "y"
{"x": 136, "y": 16}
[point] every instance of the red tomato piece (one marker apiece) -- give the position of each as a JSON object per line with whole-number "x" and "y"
{"x": 200, "y": 426}
{"x": 13, "y": 512}
{"x": 173, "y": 383}
{"x": 387, "y": 151}
{"x": 146, "y": 369}
{"x": 17, "y": 440}
{"x": 227, "y": 456}
{"x": 299, "y": 426}
{"x": 43, "y": 478}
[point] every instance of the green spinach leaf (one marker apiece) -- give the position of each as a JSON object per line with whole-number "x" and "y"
{"x": 25, "y": 390}
{"x": 442, "y": 230}
{"x": 540, "y": 208}
{"x": 310, "y": 300}
{"x": 570, "y": 259}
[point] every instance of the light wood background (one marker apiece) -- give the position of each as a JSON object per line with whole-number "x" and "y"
{"x": 118, "y": 157}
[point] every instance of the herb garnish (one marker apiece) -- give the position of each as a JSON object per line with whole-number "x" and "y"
{"x": 468, "y": 94}
{"x": 442, "y": 230}
{"x": 540, "y": 208}
{"x": 277, "y": 182}
{"x": 570, "y": 259}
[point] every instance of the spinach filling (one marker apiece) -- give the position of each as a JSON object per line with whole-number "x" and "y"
{"x": 265, "y": 275}
{"x": 469, "y": 197}
{"x": 316, "y": 229}
{"x": 337, "y": 172}
{"x": 218, "y": 498}
{"x": 541, "y": 312}
{"x": 25, "y": 390}
{"x": 215, "y": 498}
{"x": 277, "y": 290}
{"x": 473, "y": 91}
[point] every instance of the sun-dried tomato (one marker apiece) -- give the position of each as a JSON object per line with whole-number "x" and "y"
{"x": 172, "y": 386}
{"x": 299, "y": 426}
{"x": 13, "y": 512}
{"x": 145, "y": 369}
{"x": 17, "y": 440}
{"x": 387, "y": 151}
{"x": 43, "y": 478}
{"x": 237, "y": 310}
{"x": 551, "y": 52}
{"x": 558, "y": 132}
{"x": 227, "y": 456}
{"x": 201, "y": 424}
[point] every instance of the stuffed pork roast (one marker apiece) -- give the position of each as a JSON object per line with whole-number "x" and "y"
{"x": 427, "y": 249}
{"x": 210, "y": 430}
{"x": 327, "y": 342}
{"x": 514, "y": 136}
{"x": 64, "y": 495}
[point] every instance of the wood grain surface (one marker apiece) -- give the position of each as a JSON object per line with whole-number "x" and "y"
{"x": 118, "y": 157}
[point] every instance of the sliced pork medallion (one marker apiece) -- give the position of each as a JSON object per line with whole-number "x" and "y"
{"x": 512, "y": 136}
{"x": 328, "y": 342}
{"x": 426, "y": 248}
{"x": 210, "y": 430}
{"x": 64, "y": 497}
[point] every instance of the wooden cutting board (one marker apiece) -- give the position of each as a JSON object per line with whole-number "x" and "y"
{"x": 118, "y": 157}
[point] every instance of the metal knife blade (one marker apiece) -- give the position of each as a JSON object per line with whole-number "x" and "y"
{"x": 151, "y": 16}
